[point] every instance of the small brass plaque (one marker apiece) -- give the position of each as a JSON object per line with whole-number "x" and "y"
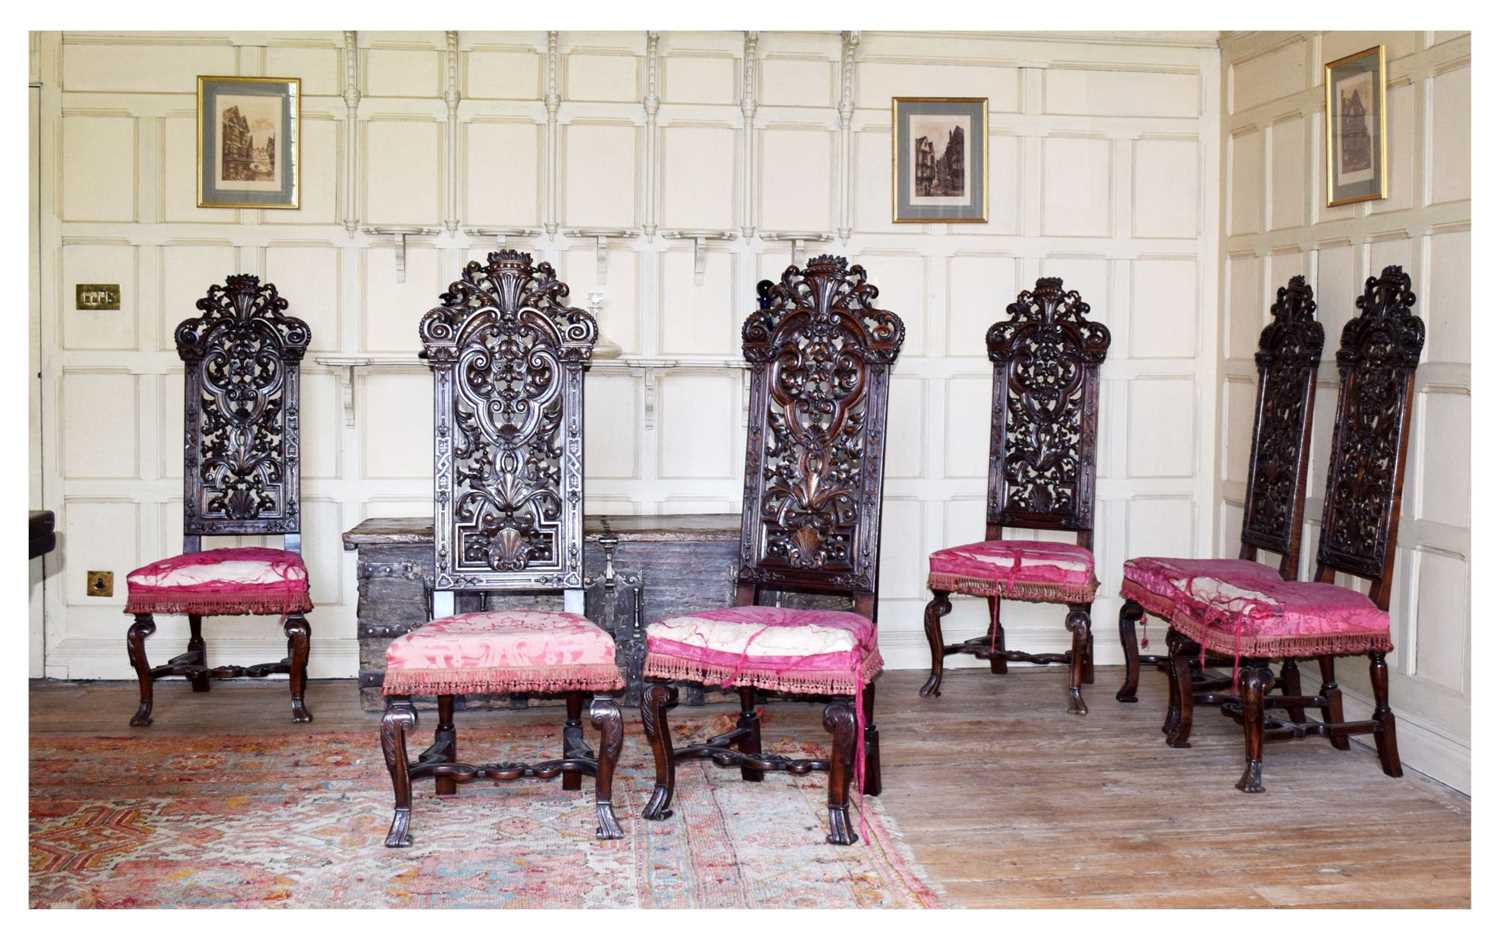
{"x": 101, "y": 584}
{"x": 97, "y": 296}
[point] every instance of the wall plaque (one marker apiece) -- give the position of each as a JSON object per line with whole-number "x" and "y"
{"x": 97, "y": 296}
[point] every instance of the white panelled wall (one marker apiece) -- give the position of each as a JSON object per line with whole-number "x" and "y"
{"x": 610, "y": 152}
{"x": 1277, "y": 224}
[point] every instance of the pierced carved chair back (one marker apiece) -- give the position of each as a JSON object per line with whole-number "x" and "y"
{"x": 507, "y": 357}
{"x": 1377, "y": 360}
{"x": 820, "y": 355}
{"x": 1276, "y": 487}
{"x": 1045, "y": 413}
{"x": 241, "y": 360}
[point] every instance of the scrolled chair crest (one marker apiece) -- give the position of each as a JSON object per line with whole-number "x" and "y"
{"x": 506, "y": 284}
{"x": 242, "y": 306}
{"x": 1386, "y": 331}
{"x": 1045, "y": 310}
{"x": 831, "y": 293}
{"x": 1295, "y": 335}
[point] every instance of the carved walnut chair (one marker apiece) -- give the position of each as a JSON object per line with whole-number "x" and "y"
{"x": 820, "y": 357}
{"x": 241, "y": 359}
{"x": 1256, "y": 617}
{"x": 1043, "y": 428}
{"x": 507, "y": 358}
{"x": 1275, "y": 496}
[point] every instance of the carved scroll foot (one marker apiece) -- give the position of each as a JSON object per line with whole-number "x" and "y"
{"x": 135, "y": 648}
{"x": 838, "y": 719}
{"x": 655, "y": 700}
{"x": 1249, "y": 781}
{"x": 400, "y": 717}
{"x": 298, "y": 637}
{"x": 1078, "y": 623}
{"x": 399, "y": 836}
{"x": 1254, "y": 680}
{"x": 604, "y": 714}
{"x": 1130, "y": 613}
{"x": 840, "y": 829}
{"x": 937, "y": 608}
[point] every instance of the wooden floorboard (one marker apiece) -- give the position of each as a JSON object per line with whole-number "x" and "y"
{"x": 1007, "y": 801}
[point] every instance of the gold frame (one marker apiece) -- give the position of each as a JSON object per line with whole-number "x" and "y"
{"x": 296, "y": 83}
{"x": 1328, "y": 187}
{"x": 984, "y": 145}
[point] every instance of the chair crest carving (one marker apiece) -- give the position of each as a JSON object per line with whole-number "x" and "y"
{"x": 1045, "y": 410}
{"x": 820, "y": 354}
{"x": 507, "y": 356}
{"x": 241, "y": 358}
{"x": 1377, "y": 359}
{"x": 1287, "y": 360}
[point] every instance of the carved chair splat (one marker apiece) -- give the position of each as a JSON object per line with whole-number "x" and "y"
{"x": 1043, "y": 435}
{"x": 241, "y": 477}
{"x": 507, "y": 357}
{"x": 1275, "y": 496}
{"x": 820, "y": 355}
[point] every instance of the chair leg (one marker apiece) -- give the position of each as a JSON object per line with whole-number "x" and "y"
{"x": 838, "y": 719}
{"x": 1078, "y": 622}
{"x": 1291, "y": 684}
{"x": 932, "y": 618}
{"x": 1385, "y": 736}
{"x": 1179, "y": 724}
{"x": 872, "y": 786}
{"x": 1254, "y": 679}
{"x": 750, "y": 743}
{"x": 656, "y": 698}
{"x": 573, "y": 739}
{"x": 1130, "y": 612}
{"x": 299, "y": 636}
{"x": 197, "y": 646}
{"x": 1333, "y": 712}
{"x": 135, "y": 648}
{"x": 400, "y": 717}
{"x": 999, "y": 665}
{"x": 444, "y": 746}
{"x": 604, "y": 714}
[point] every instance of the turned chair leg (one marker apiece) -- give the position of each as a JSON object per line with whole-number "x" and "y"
{"x": 1385, "y": 735}
{"x": 1078, "y": 622}
{"x": 1333, "y": 711}
{"x": 1291, "y": 685}
{"x": 400, "y": 717}
{"x": 1088, "y": 657}
{"x": 656, "y": 698}
{"x": 872, "y": 785}
{"x": 838, "y": 719}
{"x": 1254, "y": 679}
{"x": 604, "y": 714}
{"x": 1130, "y": 612}
{"x": 444, "y": 746}
{"x": 299, "y": 637}
{"x": 932, "y": 618}
{"x": 573, "y": 739}
{"x": 749, "y": 743}
{"x": 999, "y": 665}
{"x": 197, "y": 647}
{"x": 135, "y": 648}
{"x": 1179, "y": 724}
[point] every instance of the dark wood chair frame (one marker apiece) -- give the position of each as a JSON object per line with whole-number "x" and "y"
{"x": 1046, "y": 390}
{"x": 817, "y": 346}
{"x": 241, "y": 469}
{"x": 1377, "y": 361}
{"x": 508, "y": 502}
{"x": 1275, "y": 490}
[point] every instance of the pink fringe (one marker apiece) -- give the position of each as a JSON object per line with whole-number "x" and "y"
{"x": 1014, "y": 590}
{"x": 280, "y": 602}
{"x": 597, "y": 677}
{"x": 664, "y": 666}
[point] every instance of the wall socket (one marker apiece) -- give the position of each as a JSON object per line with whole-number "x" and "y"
{"x": 101, "y": 584}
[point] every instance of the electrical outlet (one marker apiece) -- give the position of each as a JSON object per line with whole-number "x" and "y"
{"x": 101, "y": 584}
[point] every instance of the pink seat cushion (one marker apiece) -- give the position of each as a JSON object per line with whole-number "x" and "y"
{"x": 1246, "y": 609}
{"x": 1158, "y": 584}
{"x": 781, "y": 649}
{"x": 502, "y": 651}
{"x": 221, "y": 581}
{"x": 1016, "y": 569}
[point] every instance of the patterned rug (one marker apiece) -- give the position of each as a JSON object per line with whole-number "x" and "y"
{"x": 291, "y": 821}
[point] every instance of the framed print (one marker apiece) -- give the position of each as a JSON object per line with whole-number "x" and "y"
{"x": 940, "y": 160}
{"x": 249, "y": 133}
{"x": 1354, "y": 103}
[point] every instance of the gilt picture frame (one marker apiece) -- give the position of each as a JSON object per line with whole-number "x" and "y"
{"x": 1354, "y": 109}
{"x": 249, "y": 142}
{"x": 940, "y": 160}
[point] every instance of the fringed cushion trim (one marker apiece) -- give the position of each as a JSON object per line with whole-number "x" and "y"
{"x": 664, "y": 666}
{"x": 1157, "y": 605}
{"x": 262, "y": 603}
{"x": 602, "y": 677}
{"x": 1219, "y": 640}
{"x": 1014, "y": 590}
